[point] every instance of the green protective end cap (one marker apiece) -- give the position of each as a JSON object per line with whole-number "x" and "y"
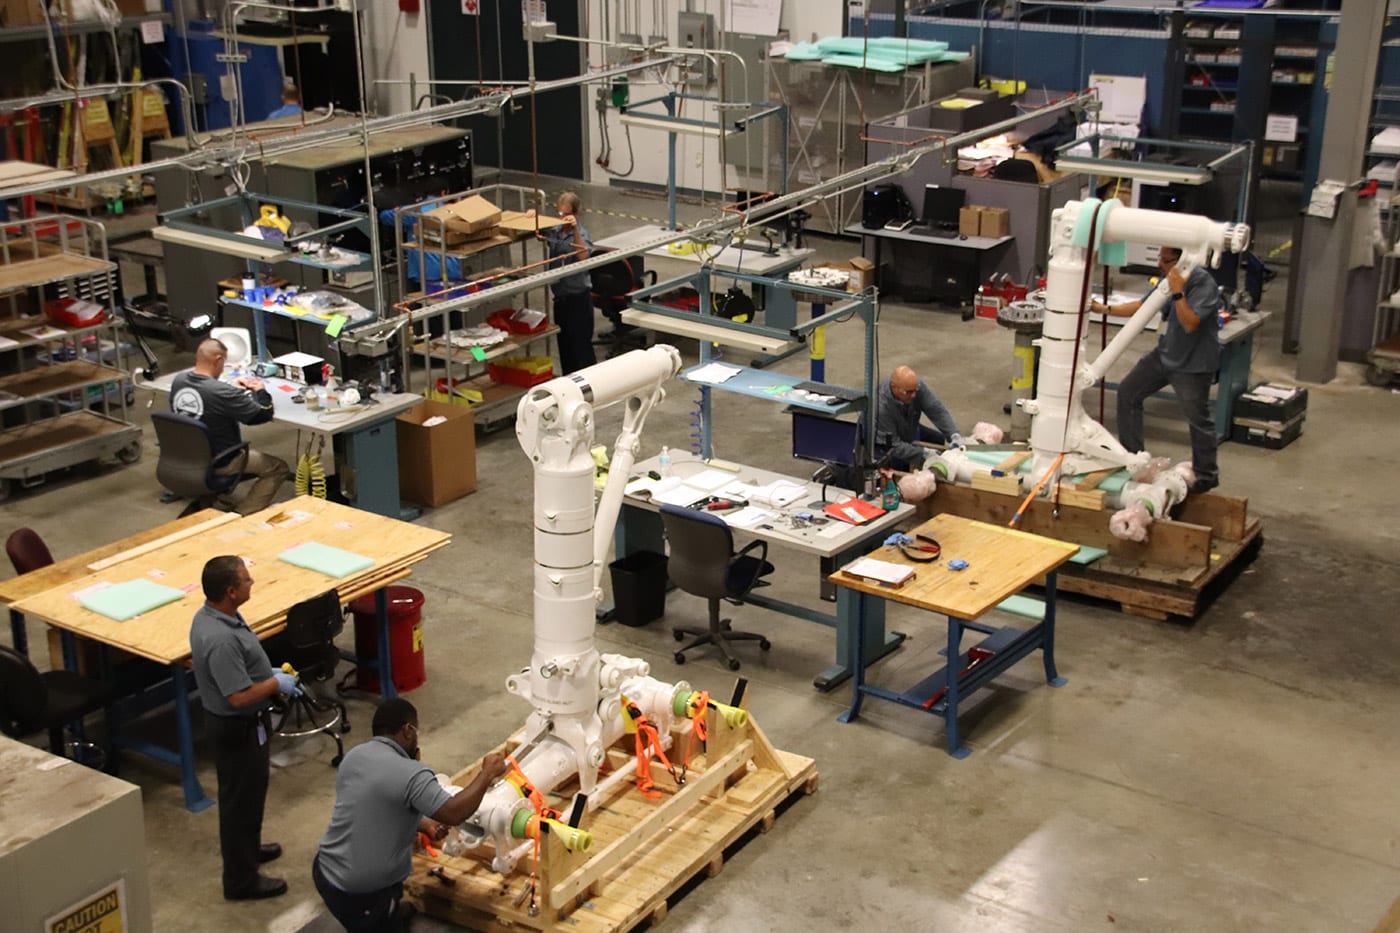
{"x": 679, "y": 703}
{"x": 520, "y": 823}
{"x": 940, "y": 468}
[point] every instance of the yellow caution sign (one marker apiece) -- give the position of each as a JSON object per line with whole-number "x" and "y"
{"x": 103, "y": 912}
{"x": 418, "y": 638}
{"x": 1026, "y": 377}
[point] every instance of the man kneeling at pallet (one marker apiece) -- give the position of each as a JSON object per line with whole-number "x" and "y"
{"x": 383, "y": 798}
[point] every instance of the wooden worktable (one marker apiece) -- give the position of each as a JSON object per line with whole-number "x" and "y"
{"x": 163, "y": 634}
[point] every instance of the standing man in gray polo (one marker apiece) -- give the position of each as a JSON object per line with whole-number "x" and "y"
{"x": 236, "y": 683}
{"x": 383, "y": 798}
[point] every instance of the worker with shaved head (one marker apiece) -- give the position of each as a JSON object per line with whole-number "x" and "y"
{"x": 900, "y": 403}
{"x": 223, "y": 406}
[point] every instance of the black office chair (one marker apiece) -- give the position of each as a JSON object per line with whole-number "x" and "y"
{"x": 308, "y": 645}
{"x": 31, "y": 702}
{"x": 703, "y": 563}
{"x": 611, "y": 284}
{"x": 189, "y": 466}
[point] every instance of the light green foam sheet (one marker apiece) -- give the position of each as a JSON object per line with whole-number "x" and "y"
{"x": 323, "y": 558}
{"x": 127, "y": 600}
{"x": 869, "y": 64}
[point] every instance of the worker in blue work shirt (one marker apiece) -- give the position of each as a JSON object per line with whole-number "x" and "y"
{"x": 236, "y": 686}
{"x": 384, "y": 797}
{"x": 1186, "y": 357}
{"x": 900, "y": 403}
{"x": 202, "y": 394}
{"x": 291, "y": 103}
{"x": 573, "y": 294}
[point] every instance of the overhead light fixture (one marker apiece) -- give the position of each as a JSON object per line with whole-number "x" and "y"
{"x": 697, "y": 327}
{"x": 242, "y": 248}
{"x": 1147, "y": 171}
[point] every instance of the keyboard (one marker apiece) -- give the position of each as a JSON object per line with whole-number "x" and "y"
{"x": 841, "y": 392}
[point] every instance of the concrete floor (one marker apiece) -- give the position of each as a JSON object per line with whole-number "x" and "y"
{"x": 1232, "y": 774}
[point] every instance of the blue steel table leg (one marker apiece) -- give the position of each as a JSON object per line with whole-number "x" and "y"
{"x": 387, "y": 690}
{"x": 862, "y": 602}
{"x": 1232, "y": 380}
{"x": 1047, "y": 635}
{"x": 857, "y": 620}
{"x": 19, "y": 633}
{"x": 951, "y": 695}
{"x": 195, "y": 798}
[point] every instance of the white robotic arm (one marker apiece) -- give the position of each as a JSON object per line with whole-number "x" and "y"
{"x": 1060, "y": 424}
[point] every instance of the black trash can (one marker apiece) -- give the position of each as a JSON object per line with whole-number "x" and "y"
{"x": 639, "y": 587}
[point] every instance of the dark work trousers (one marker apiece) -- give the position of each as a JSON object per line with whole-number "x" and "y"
{"x": 574, "y": 315}
{"x": 242, "y": 766}
{"x": 375, "y": 912}
{"x": 1192, "y": 393}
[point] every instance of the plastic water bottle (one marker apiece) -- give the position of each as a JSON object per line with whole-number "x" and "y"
{"x": 665, "y": 461}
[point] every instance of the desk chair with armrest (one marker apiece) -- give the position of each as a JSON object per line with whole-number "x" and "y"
{"x": 703, "y": 563}
{"x": 611, "y": 284}
{"x": 189, "y": 466}
{"x": 308, "y": 645}
{"x": 31, "y": 702}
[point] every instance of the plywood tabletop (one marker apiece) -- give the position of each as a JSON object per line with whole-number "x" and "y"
{"x": 163, "y": 634}
{"x": 1001, "y": 562}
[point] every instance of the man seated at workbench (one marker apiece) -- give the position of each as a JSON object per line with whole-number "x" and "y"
{"x": 223, "y": 406}
{"x": 900, "y": 402}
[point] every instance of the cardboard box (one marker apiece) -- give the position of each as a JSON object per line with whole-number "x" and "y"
{"x": 861, "y": 270}
{"x": 437, "y": 464}
{"x": 970, "y": 220}
{"x": 21, "y": 13}
{"x": 996, "y": 222}
{"x": 469, "y": 219}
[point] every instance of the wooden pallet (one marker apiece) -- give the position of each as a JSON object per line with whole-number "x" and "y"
{"x": 644, "y": 850}
{"x": 1184, "y": 562}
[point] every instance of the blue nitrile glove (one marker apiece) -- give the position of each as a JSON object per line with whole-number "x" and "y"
{"x": 896, "y": 539}
{"x": 957, "y": 441}
{"x": 287, "y": 684}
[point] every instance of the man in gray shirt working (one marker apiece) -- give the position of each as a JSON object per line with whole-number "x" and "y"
{"x": 236, "y": 681}
{"x": 1187, "y": 356}
{"x": 900, "y": 402}
{"x": 223, "y": 406}
{"x": 383, "y": 798}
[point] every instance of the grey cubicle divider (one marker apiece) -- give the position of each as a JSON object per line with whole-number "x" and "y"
{"x": 1029, "y": 204}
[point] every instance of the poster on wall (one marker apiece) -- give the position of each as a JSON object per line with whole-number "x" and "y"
{"x": 471, "y": 7}
{"x": 753, "y": 17}
{"x": 102, "y": 912}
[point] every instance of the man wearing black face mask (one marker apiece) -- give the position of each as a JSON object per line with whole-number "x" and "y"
{"x": 383, "y": 799}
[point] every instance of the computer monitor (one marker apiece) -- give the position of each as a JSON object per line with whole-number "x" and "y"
{"x": 941, "y": 205}
{"x": 824, "y": 439}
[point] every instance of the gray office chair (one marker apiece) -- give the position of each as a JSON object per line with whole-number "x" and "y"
{"x": 189, "y": 465}
{"x": 703, "y": 563}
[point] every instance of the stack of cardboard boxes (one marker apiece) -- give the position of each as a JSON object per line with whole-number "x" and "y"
{"x": 976, "y": 220}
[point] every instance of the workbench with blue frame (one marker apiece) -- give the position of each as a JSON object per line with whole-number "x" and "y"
{"x": 1000, "y": 563}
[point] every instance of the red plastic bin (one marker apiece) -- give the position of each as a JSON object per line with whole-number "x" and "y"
{"x": 405, "y": 638}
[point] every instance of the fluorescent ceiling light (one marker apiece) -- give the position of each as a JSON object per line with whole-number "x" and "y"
{"x": 1182, "y": 174}
{"x": 243, "y": 249}
{"x": 677, "y": 126}
{"x": 702, "y": 330}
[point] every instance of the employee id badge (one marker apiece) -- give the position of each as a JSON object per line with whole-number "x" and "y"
{"x": 262, "y": 734}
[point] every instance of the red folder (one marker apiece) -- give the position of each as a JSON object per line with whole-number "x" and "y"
{"x": 853, "y": 510}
